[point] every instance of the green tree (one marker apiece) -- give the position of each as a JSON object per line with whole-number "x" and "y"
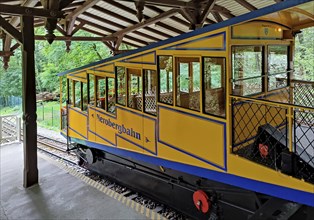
{"x": 304, "y": 55}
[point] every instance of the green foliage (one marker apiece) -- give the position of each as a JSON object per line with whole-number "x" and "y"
{"x": 304, "y": 58}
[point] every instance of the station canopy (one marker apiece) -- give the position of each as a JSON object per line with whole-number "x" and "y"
{"x": 133, "y": 22}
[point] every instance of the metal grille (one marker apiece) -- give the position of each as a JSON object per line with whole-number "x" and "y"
{"x": 259, "y": 132}
{"x": 304, "y": 94}
{"x": 150, "y": 103}
{"x": 166, "y": 98}
{"x": 304, "y": 144}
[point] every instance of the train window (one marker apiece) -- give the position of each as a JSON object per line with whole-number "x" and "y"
{"x": 188, "y": 82}
{"x": 165, "y": 66}
{"x": 77, "y": 94}
{"x": 84, "y": 96}
{"x": 91, "y": 88}
{"x": 214, "y": 86}
{"x": 134, "y": 89}
{"x": 150, "y": 88}
{"x": 277, "y": 66}
{"x": 101, "y": 92}
{"x": 70, "y": 91}
{"x": 121, "y": 85}
{"x": 110, "y": 95}
{"x": 247, "y": 69}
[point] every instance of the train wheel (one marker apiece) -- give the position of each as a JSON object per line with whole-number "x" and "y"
{"x": 90, "y": 156}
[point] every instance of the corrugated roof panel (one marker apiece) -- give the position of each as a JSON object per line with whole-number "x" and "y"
{"x": 133, "y": 42}
{"x": 261, "y": 4}
{"x": 87, "y": 18}
{"x": 140, "y": 37}
{"x": 96, "y": 29}
{"x": 119, "y": 11}
{"x": 142, "y": 30}
{"x": 108, "y": 17}
{"x": 234, "y": 7}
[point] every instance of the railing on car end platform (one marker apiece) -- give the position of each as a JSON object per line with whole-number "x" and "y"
{"x": 10, "y": 129}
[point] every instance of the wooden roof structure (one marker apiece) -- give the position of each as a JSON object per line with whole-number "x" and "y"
{"x": 136, "y": 23}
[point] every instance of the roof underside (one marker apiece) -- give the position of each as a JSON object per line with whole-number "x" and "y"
{"x": 139, "y": 22}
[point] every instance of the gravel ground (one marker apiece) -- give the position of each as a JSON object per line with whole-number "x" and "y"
{"x": 50, "y": 134}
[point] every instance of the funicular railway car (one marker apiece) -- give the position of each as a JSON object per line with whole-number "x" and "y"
{"x": 212, "y": 122}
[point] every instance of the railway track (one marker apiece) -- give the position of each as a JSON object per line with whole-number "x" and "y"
{"x": 57, "y": 150}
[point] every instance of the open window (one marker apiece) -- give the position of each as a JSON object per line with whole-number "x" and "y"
{"x": 77, "y": 94}
{"x": 135, "y": 89}
{"x": 277, "y": 66}
{"x": 91, "y": 88}
{"x": 188, "y": 82}
{"x": 121, "y": 85}
{"x": 101, "y": 92}
{"x": 70, "y": 91}
{"x": 111, "y": 99}
{"x": 150, "y": 91}
{"x": 165, "y": 67}
{"x": 214, "y": 86}
{"x": 247, "y": 70}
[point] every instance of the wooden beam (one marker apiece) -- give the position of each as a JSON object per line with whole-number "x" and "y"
{"x": 78, "y": 27}
{"x": 112, "y": 31}
{"x": 100, "y": 34}
{"x": 14, "y": 47}
{"x": 129, "y": 10}
{"x": 86, "y": 5}
{"x": 78, "y": 38}
{"x": 147, "y": 22}
{"x": 72, "y": 17}
{"x": 125, "y": 19}
{"x": 174, "y": 18}
{"x": 223, "y": 11}
{"x": 6, "y": 53}
{"x": 217, "y": 16}
{"x": 246, "y": 5}
{"x": 209, "y": 6}
{"x": 29, "y": 103}
{"x": 9, "y": 29}
{"x": 61, "y": 30}
{"x": 28, "y": 11}
{"x": 166, "y": 3}
{"x": 120, "y": 26}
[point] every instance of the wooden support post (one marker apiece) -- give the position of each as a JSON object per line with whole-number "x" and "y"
{"x": 29, "y": 106}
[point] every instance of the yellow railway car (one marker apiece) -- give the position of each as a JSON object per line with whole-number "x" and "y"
{"x": 218, "y": 111}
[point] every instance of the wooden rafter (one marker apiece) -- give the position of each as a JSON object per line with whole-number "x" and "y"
{"x": 72, "y": 16}
{"x": 128, "y": 20}
{"x": 79, "y": 38}
{"x": 147, "y": 22}
{"x": 30, "y": 11}
{"x": 129, "y": 10}
{"x": 111, "y": 31}
{"x": 246, "y": 5}
{"x": 10, "y": 30}
{"x": 114, "y": 24}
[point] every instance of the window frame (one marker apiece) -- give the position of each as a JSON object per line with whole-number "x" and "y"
{"x": 116, "y": 85}
{"x": 225, "y": 86}
{"x": 263, "y": 64}
{"x": 287, "y": 71}
{"x": 159, "y": 84}
{"x": 176, "y": 72}
{"x": 143, "y": 89}
{"x": 139, "y": 87}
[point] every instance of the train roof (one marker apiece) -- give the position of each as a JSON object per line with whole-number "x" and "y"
{"x": 294, "y": 14}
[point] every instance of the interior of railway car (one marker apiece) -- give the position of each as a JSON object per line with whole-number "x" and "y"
{"x": 218, "y": 111}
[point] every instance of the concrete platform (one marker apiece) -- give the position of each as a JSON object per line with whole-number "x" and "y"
{"x": 59, "y": 194}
